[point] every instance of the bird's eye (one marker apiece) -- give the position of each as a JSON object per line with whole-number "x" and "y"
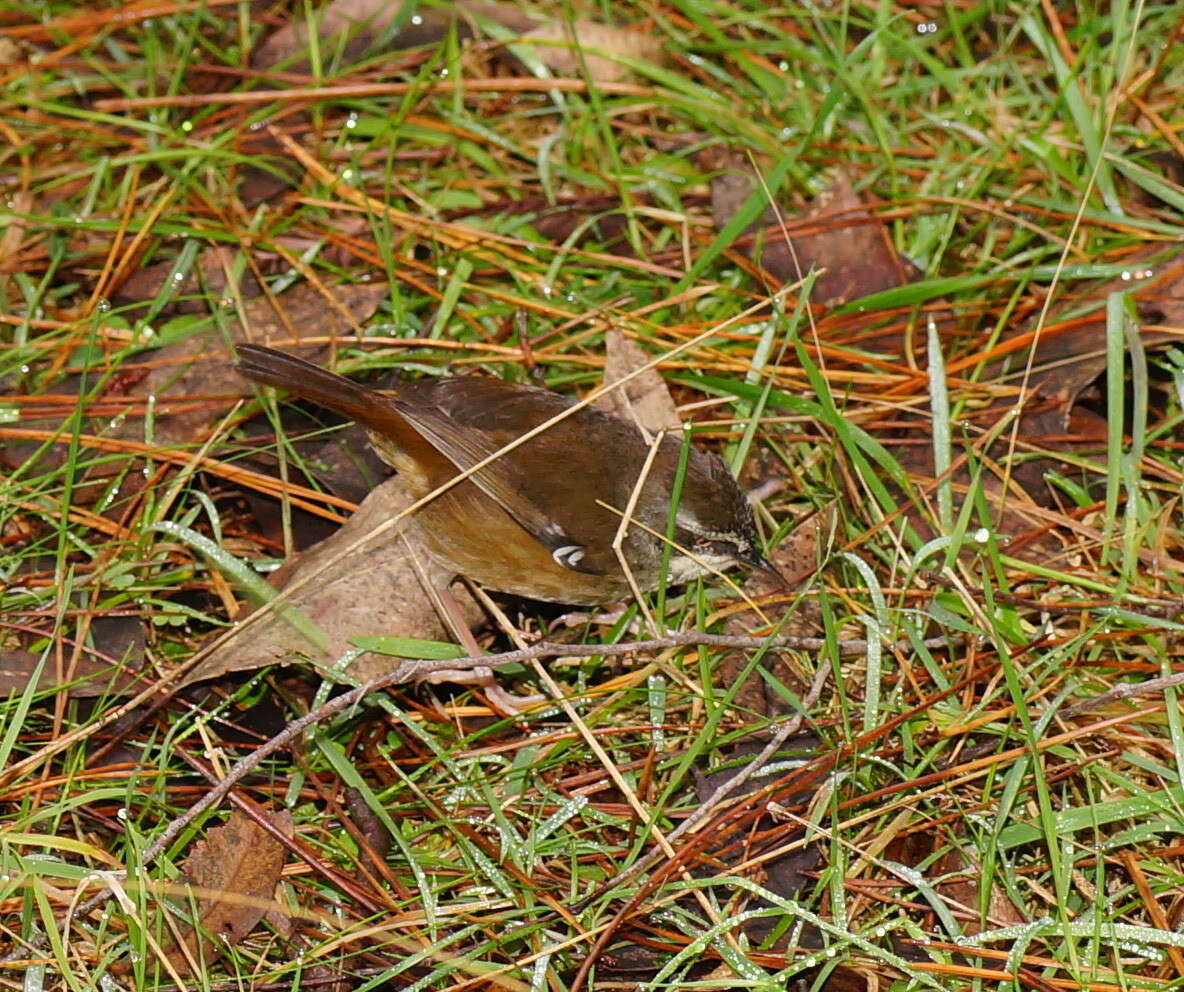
{"x": 717, "y": 548}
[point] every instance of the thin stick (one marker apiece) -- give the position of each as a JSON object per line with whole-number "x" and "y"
{"x": 409, "y": 669}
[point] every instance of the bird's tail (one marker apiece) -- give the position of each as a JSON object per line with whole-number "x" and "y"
{"x": 311, "y": 382}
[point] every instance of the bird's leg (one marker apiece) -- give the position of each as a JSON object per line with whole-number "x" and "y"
{"x": 481, "y": 676}
{"x": 606, "y": 617}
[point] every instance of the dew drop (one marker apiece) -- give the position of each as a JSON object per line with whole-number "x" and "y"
{"x": 186, "y": 126}
{"x": 103, "y": 306}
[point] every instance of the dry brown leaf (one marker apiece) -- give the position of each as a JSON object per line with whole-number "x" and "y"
{"x": 375, "y": 591}
{"x": 200, "y": 365}
{"x": 348, "y": 29}
{"x": 964, "y": 887}
{"x": 644, "y": 399}
{"x": 235, "y": 870}
{"x": 508, "y": 15}
{"x": 796, "y": 557}
{"x": 559, "y": 46}
{"x": 360, "y": 26}
{"x": 354, "y": 25}
{"x": 208, "y": 274}
{"x": 120, "y": 639}
{"x": 1069, "y": 357}
{"x": 195, "y": 372}
{"x": 20, "y": 207}
{"x": 838, "y": 234}
{"x": 610, "y": 228}
{"x": 17, "y": 668}
{"x": 843, "y": 236}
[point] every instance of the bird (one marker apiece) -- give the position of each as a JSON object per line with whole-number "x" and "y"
{"x": 539, "y": 520}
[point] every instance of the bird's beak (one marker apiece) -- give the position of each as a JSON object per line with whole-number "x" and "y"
{"x": 754, "y": 559}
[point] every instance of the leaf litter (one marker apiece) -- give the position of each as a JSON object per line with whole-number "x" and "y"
{"x": 842, "y": 235}
{"x": 233, "y": 872}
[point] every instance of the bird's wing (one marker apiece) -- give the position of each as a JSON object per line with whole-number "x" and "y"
{"x": 467, "y": 445}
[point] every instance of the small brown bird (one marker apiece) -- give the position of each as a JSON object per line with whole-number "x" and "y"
{"x": 531, "y": 522}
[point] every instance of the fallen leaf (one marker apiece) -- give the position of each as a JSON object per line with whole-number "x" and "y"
{"x": 194, "y": 373}
{"x": 235, "y": 871}
{"x": 965, "y": 887}
{"x": 200, "y": 364}
{"x": 644, "y": 399}
{"x": 567, "y": 48}
{"x": 599, "y": 225}
{"x": 732, "y": 183}
{"x": 838, "y": 234}
{"x": 374, "y": 591}
{"x": 18, "y": 667}
{"x": 795, "y": 557}
{"x": 119, "y": 639}
{"x": 20, "y": 207}
{"x": 786, "y": 875}
{"x": 841, "y": 234}
{"x": 957, "y": 879}
{"x": 207, "y": 275}
{"x": 1071, "y": 355}
{"x": 372, "y": 830}
{"x": 348, "y": 29}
